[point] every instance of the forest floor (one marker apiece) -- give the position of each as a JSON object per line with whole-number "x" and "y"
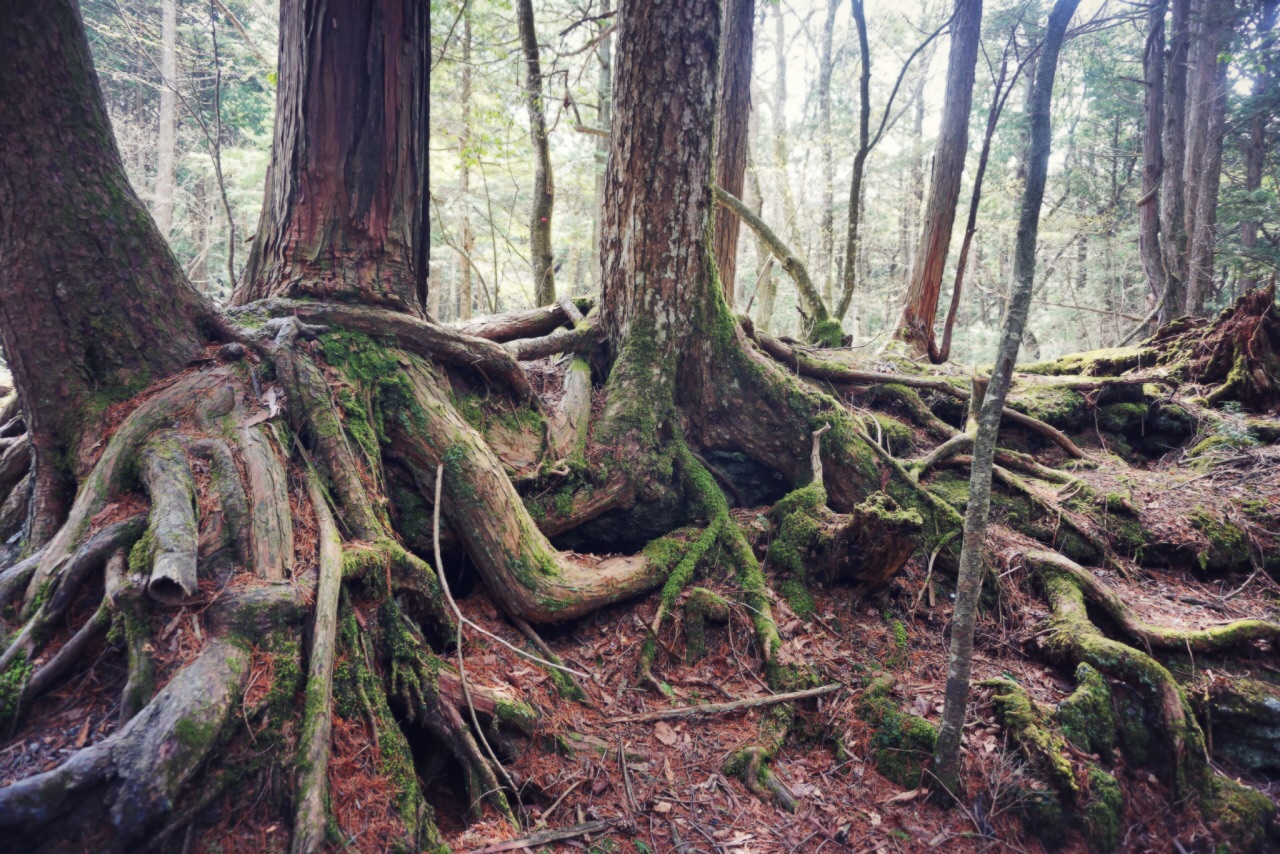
{"x": 673, "y": 794}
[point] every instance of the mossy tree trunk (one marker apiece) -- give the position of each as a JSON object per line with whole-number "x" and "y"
{"x": 93, "y": 305}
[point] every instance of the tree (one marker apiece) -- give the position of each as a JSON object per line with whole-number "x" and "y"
{"x": 1173, "y": 227}
{"x": 1153, "y": 164}
{"x": 916, "y": 324}
{"x": 343, "y": 210}
{"x": 82, "y": 255}
{"x": 989, "y": 404}
{"x": 543, "y": 183}
{"x": 1202, "y": 191}
{"x": 733, "y": 105}
{"x": 168, "y": 115}
{"x": 827, "y": 227}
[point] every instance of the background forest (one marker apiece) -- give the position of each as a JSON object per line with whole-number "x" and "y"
{"x": 1091, "y": 291}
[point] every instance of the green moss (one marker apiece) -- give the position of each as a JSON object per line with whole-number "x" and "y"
{"x": 1096, "y": 363}
{"x": 826, "y": 333}
{"x": 1228, "y": 548}
{"x": 700, "y": 606}
{"x": 12, "y": 683}
{"x": 1122, "y": 417}
{"x": 1087, "y": 717}
{"x": 1026, "y": 723}
{"x": 1244, "y": 817}
{"x": 797, "y": 597}
{"x": 902, "y": 743}
{"x": 142, "y": 554}
{"x": 896, "y": 437}
{"x": 1058, "y": 406}
{"x": 951, "y": 487}
{"x": 1103, "y": 810}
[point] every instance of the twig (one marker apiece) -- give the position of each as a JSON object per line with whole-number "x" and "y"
{"x": 462, "y": 666}
{"x": 718, "y": 708}
{"x": 544, "y": 836}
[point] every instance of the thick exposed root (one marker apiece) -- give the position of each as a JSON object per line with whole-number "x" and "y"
{"x": 1152, "y": 636}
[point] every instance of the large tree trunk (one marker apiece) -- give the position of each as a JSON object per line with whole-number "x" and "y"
{"x": 345, "y": 201}
{"x": 93, "y": 304}
{"x": 167, "y": 143}
{"x": 916, "y": 324}
{"x": 535, "y": 96}
{"x": 733, "y": 112}
{"x": 1172, "y": 198}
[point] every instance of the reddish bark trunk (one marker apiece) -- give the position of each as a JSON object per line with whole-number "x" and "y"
{"x": 93, "y": 305}
{"x": 733, "y": 111}
{"x": 345, "y": 199}
{"x": 916, "y": 325}
{"x": 1172, "y": 199}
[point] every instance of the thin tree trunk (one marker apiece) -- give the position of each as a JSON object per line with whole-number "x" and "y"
{"x": 998, "y": 97}
{"x": 343, "y": 212}
{"x": 826, "y": 227}
{"x": 604, "y": 119}
{"x": 1256, "y": 148}
{"x": 1172, "y": 198}
{"x": 543, "y": 184}
{"x": 1202, "y": 59}
{"x": 946, "y": 762}
{"x": 1214, "y": 108}
{"x": 167, "y": 141}
{"x": 1152, "y": 152}
{"x": 733, "y": 109}
{"x": 93, "y": 304}
{"x": 916, "y": 324}
{"x": 465, "y": 296}
{"x": 852, "y": 236}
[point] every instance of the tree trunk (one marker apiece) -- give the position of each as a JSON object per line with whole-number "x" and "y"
{"x": 1152, "y": 153}
{"x": 852, "y": 237}
{"x": 826, "y": 227}
{"x": 1213, "y": 109}
{"x": 946, "y": 765}
{"x": 733, "y": 111}
{"x": 604, "y": 120}
{"x": 916, "y": 324}
{"x": 465, "y": 296}
{"x": 167, "y": 142}
{"x": 543, "y": 185}
{"x": 345, "y": 196}
{"x": 1172, "y": 197}
{"x": 1202, "y": 59}
{"x": 1256, "y": 148}
{"x": 781, "y": 149}
{"x": 998, "y": 96}
{"x": 93, "y": 304}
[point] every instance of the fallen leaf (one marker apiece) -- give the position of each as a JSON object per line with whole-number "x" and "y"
{"x": 662, "y": 807}
{"x": 84, "y": 734}
{"x": 665, "y": 733}
{"x": 903, "y": 797}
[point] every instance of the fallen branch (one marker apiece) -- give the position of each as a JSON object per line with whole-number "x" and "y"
{"x": 545, "y": 836}
{"x": 720, "y": 708}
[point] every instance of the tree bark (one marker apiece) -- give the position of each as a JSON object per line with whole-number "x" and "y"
{"x": 1172, "y": 198}
{"x": 1256, "y": 147}
{"x": 543, "y": 184}
{"x": 916, "y": 324}
{"x": 167, "y": 142}
{"x": 93, "y": 304}
{"x": 1204, "y": 193}
{"x": 946, "y": 763}
{"x": 826, "y": 227}
{"x": 465, "y": 296}
{"x": 733, "y": 110}
{"x": 604, "y": 120}
{"x": 852, "y": 237}
{"x": 345, "y": 196}
{"x": 1152, "y": 153}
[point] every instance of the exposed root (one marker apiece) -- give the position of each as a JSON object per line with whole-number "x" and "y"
{"x": 523, "y": 323}
{"x": 313, "y": 747}
{"x": 751, "y": 764}
{"x": 171, "y": 543}
{"x": 1153, "y": 636}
